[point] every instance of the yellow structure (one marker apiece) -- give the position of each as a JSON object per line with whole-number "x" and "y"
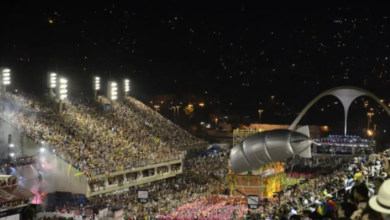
{"x": 241, "y": 134}
{"x": 263, "y": 182}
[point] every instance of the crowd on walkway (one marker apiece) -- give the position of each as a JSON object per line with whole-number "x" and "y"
{"x": 202, "y": 192}
{"x": 202, "y": 177}
{"x": 90, "y": 138}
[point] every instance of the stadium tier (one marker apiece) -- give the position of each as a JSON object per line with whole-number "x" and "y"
{"x": 343, "y": 144}
{"x": 130, "y": 143}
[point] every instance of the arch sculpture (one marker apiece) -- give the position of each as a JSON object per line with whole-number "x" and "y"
{"x": 346, "y": 95}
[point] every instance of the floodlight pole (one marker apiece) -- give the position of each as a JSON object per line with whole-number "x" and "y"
{"x": 95, "y": 94}
{"x": 60, "y": 106}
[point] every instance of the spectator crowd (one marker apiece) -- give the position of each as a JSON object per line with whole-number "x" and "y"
{"x": 91, "y": 138}
{"x": 131, "y": 134}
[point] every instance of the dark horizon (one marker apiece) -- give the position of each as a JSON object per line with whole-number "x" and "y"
{"x": 237, "y": 53}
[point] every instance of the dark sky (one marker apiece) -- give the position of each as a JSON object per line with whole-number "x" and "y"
{"x": 239, "y": 51}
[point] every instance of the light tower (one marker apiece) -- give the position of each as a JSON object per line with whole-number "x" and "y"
{"x": 126, "y": 86}
{"x": 5, "y": 79}
{"x": 62, "y": 91}
{"x": 52, "y": 82}
{"x": 96, "y": 86}
{"x": 112, "y": 90}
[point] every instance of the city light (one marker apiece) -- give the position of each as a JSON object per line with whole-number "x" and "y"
{"x": 369, "y": 132}
{"x": 62, "y": 88}
{"x": 12, "y": 154}
{"x": 11, "y": 145}
{"x": 53, "y": 80}
{"x": 127, "y": 86}
{"x": 97, "y": 83}
{"x": 6, "y": 76}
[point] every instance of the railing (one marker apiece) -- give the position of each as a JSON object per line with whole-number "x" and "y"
{"x": 192, "y": 147}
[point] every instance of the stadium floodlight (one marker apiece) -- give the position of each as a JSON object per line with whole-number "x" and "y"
{"x": 112, "y": 90}
{"x": 11, "y": 145}
{"x": 5, "y": 78}
{"x": 12, "y": 154}
{"x": 62, "y": 88}
{"x": 96, "y": 85}
{"x": 62, "y": 91}
{"x": 52, "y": 82}
{"x": 42, "y": 149}
{"x": 126, "y": 87}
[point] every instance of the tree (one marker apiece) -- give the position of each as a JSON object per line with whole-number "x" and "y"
{"x": 189, "y": 111}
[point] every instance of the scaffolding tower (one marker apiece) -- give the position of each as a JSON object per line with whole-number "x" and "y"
{"x": 241, "y": 134}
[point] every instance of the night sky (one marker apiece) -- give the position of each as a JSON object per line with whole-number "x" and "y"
{"x": 237, "y": 53}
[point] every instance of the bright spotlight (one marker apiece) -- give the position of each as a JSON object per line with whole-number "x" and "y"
{"x": 42, "y": 150}
{"x": 113, "y": 90}
{"x": 97, "y": 83}
{"x": 6, "y": 76}
{"x": 11, "y": 145}
{"x": 53, "y": 80}
{"x": 12, "y": 154}
{"x": 127, "y": 86}
{"x": 62, "y": 88}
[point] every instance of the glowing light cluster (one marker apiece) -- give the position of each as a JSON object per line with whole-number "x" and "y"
{"x": 63, "y": 85}
{"x": 127, "y": 85}
{"x": 97, "y": 83}
{"x": 53, "y": 80}
{"x": 114, "y": 91}
{"x": 6, "y": 76}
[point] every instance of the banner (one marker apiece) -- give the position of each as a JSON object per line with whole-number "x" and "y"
{"x": 103, "y": 213}
{"x": 267, "y": 173}
{"x": 79, "y": 174}
{"x": 118, "y": 214}
{"x": 70, "y": 166}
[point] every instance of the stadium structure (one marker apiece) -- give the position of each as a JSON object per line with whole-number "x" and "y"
{"x": 58, "y": 175}
{"x": 270, "y": 178}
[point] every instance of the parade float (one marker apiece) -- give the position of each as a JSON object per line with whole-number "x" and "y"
{"x": 263, "y": 182}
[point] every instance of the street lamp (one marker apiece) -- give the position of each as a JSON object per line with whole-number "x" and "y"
{"x": 96, "y": 86}
{"x": 126, "y": 83}
{"x": 369, "y": 114}
{"x": 5, "y": 78}
{"x": 260, "y": 111}
{"x": 157, "y": 107}
{"x": 52, "y": 82}
{"x": 112, "y": 91}
{"x": 216, "y": 123}
{"x": 62, "y": 91}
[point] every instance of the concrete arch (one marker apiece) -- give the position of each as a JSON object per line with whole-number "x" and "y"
{"x": 346, "y": 95}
